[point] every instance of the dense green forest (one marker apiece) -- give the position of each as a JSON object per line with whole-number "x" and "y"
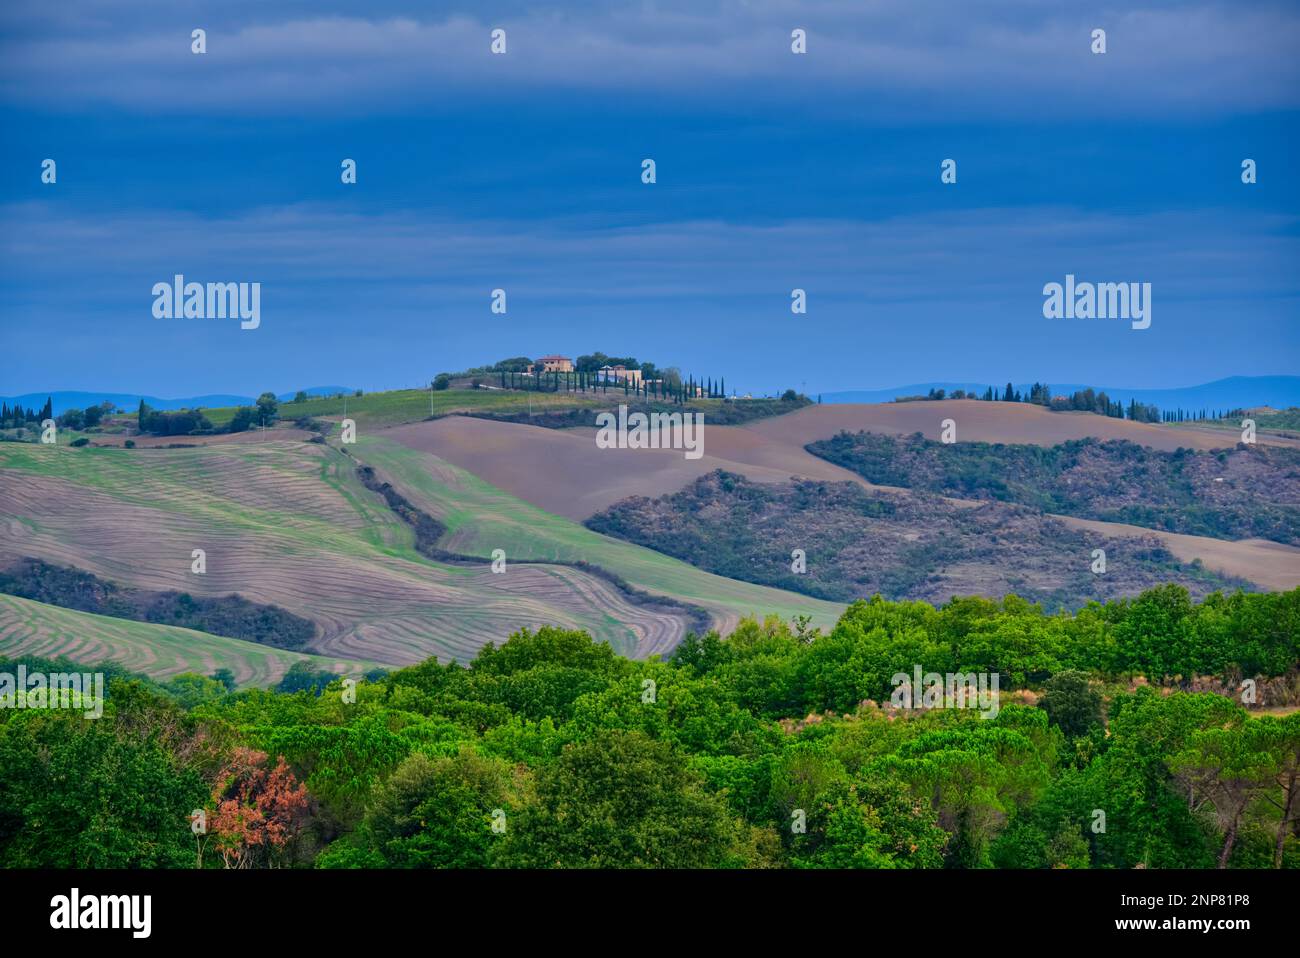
{"x": 1240, "y": 493}
{"x": 775, "y": 746}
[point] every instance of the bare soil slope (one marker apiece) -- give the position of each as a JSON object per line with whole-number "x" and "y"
{"x": 563, "y": 471}
{"x": 985, "y": 422}
{"x": 1272, "y": 565}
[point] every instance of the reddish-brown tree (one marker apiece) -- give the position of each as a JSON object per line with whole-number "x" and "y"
{"x": 259, "y": 810}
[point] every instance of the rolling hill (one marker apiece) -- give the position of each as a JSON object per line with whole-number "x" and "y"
{"x": 289, "y": 523}
{"x": 563, "y": 471}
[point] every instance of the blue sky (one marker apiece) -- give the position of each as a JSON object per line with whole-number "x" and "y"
{"x": 522, "y": 171}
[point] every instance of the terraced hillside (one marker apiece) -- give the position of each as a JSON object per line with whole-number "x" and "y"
{"x": 159, "y": 651}
{"x": 289, "y": 523}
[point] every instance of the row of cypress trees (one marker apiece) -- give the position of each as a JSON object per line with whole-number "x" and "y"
{"x": 1098, "y": 402}
{"x": 16, "y": 415}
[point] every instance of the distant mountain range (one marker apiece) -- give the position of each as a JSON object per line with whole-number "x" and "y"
{"x": 1234, "y": 392}
{"x": 64, "y": 400}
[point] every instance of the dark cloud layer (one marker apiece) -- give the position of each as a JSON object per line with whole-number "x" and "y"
{"x": 892, "y": 56}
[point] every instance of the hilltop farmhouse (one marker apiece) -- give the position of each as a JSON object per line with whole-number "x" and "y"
{"x": 552, "y": 364}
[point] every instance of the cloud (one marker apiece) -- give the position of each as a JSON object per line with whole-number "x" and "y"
{"x": 894, "y": 56}
{"x": 382, "y": 300}
{"x": 993, "y": 256}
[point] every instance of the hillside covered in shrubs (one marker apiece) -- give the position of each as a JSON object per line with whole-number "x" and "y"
{"x": 858, "y": 542}
{"x": 1241, "y": 493}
